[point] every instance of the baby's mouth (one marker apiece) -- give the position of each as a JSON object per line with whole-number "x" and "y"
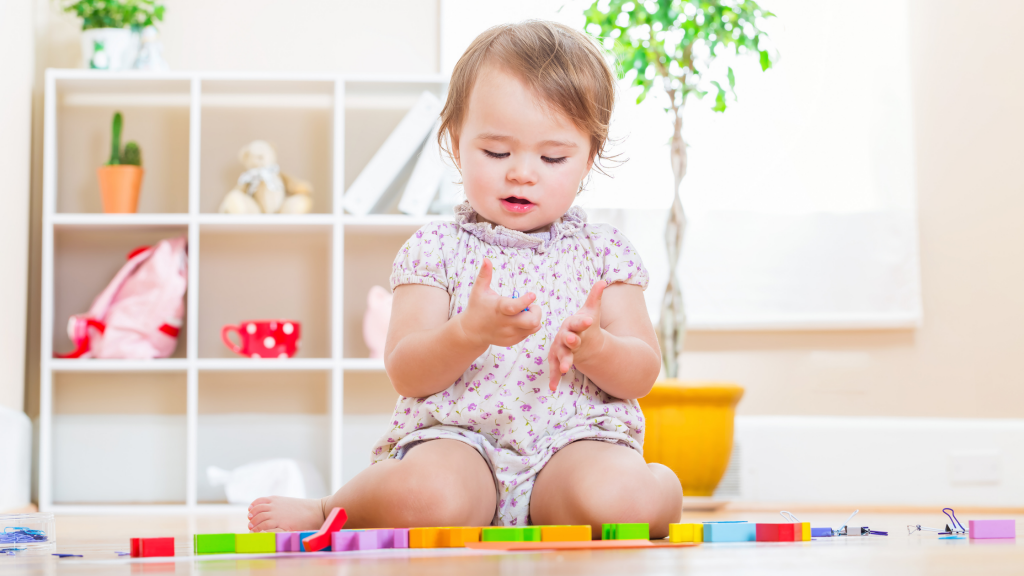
{"x": 517, "y": 200}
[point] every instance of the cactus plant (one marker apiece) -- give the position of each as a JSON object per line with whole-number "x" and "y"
{"x": 132, "y": 155}
{"x": 115, "y": 142}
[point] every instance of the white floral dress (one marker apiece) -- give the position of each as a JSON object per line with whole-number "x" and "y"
{"x": 502, "y": 405}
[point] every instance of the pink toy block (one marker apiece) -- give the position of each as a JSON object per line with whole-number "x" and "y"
{"x": 401, "y": 538}
{"x": 767, "y": 533}
{"x": 369, "y": 540}
{"x": 992, "y": 529}
{"x": 344, "y": 541}
{"x": 288, "y": 542}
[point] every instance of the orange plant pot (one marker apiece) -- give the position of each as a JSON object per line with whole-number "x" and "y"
{"x": 689, "y": 428}
{"x": 119, "y": 188}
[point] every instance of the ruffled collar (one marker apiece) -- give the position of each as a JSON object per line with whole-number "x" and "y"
{"x": 568, "y": 225}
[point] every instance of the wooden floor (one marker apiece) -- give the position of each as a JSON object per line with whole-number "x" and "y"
{"x": 97, "y": 539}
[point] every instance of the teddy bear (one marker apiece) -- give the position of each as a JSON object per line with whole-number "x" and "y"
{"x": 262, "y": 188}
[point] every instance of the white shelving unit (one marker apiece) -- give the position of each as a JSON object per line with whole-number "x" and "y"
{"x": 317, "y": 267}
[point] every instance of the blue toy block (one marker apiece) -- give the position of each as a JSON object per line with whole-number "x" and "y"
{"x": 303, "y": 535}
{"x": 730, "y": 532}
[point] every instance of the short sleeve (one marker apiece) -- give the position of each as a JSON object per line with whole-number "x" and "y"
{"x": 619, "y": 260}
{"x": 421, "y": 260}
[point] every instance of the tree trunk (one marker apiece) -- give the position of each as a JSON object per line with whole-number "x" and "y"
{"x": 672, "y": 325}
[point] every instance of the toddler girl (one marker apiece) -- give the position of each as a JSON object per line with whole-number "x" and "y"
{"x": 519, "y": 339}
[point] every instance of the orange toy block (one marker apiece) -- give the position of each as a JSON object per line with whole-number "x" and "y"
{"x": 457, "y": 537}
{"x": 322, "y": 539}
{"x": 565, "y": 533}
{"x": 424, "y": 537}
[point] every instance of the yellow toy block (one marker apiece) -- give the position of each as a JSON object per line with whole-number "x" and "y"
{"x": 565, "y": 533}
{"x": 680, "y": 532}
{"x": 806, "y": 531}
{"x": 424, "y": 537}
{"x": 258, "y": 543}
{"x": 698, "y": 532}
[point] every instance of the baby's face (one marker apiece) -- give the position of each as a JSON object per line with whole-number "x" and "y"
{"x": 522, "y": 162}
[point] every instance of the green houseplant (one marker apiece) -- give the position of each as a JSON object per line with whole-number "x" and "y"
{"x": 121, "y": 178}
{"x": 675, "y": 43}
{"x": 110, "y": 39}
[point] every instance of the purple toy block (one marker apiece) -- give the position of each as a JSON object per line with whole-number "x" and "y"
{"x": 401, "y": 537}
{"x": 992, "y": 528}
{"x": 287, "y": 541}
{"x": 368, "y": 540}
{"x": 344, "y": 541}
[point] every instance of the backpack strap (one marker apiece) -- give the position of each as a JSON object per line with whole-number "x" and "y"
{"x": 79, "y": 326}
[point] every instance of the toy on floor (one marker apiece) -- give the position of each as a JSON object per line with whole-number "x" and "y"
{"x": 263, "y": 189}
{"x": 981, "y": 529}
{"x": 954, "y": 529}
{"x": 322, "y": 539}
{"x": 151, "y": 547}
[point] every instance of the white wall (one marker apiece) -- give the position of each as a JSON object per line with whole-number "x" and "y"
{"x": 16, "y": 69}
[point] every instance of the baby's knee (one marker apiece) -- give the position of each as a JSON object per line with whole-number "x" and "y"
{"x": 640, "y": 495}
{"x": 427, "y": 498}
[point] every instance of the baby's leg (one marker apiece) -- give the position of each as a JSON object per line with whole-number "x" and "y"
{"x": 599, "y": 482}
{"x": 437, "y": 483}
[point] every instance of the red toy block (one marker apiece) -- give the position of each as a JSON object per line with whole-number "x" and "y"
{"x": 135, "y": 547}
{"x": 322, "y": 539}
{"x": 786, "y": 532}
{"x": 767, "y": 532}
{"x": 155, "y": 547}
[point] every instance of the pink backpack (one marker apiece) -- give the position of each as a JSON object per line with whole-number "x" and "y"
{"x": 138, "y": 315}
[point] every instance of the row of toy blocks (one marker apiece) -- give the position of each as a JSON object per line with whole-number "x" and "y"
{"x": 625, "y": 532}
{"x": 151, "y": 547}
{"x": 785, "y": 532}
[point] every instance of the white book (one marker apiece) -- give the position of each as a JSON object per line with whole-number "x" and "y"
{"x": 425, "y": 178}
{"x": 367, "y": 189}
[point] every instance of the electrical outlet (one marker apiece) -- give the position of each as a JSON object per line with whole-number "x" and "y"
{"x": 975, "y": 467}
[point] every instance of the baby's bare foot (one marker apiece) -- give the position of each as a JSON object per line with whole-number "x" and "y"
{"x": 285, "y": 514}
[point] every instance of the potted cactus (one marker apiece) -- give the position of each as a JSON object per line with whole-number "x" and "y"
{"x": 121, "y": 178}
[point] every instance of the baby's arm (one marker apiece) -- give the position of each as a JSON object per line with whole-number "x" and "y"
{"x": 426, "y": 351}
{"x": 611, "y": 340}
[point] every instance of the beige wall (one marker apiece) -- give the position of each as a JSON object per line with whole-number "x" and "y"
{"x": 16, "y": 69}
{"x": 963, "y": 361}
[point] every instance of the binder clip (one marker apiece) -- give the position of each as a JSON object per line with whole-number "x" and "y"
{"x": 953, "y": 531}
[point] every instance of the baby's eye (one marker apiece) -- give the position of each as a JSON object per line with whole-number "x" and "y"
{"x": 497, "y": 154}
{"x": 550, "y": 160}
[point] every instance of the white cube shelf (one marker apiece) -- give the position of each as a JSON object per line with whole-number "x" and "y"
{"x": 314, "y": 268}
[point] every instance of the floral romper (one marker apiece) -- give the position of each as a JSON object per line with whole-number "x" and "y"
{"x": 502, "y": 404}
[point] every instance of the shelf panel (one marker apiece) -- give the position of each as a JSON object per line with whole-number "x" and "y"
{"x": 264, "y": 222}
{"x": 117, "y": 221}
{"x": 363, "y": 364}
{"x": 256, "y": 364}
{"x": 95, "y": 365}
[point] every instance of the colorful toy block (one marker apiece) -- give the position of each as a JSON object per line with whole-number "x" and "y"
{"x": 685, "y": 533}
{"x": 457, "y": 537}
{"x": 424, "y": 538}
{"x": 322, "y": 539}
{"x": 786, "y": 532}
{"x": 805, "y": 531}
{"x": 982, "y": 529}
{"x": 400, "y": 538}
{"x": 213, "y": 544}
{"x": 511, "y": 534}
{"x": 256, "y": 543}
{"x": 288, "y": 542}
{"x": 302, "y": 544}
{"x": 151, "y": 547}
{"x": 730, "y": 532}
{"x": 625, "y": 532}
{"x": 565, "y": 533}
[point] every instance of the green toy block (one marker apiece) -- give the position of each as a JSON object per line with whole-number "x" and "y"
{"x": 531, "y": 533}
{"x": 258, "y": 543}
{"x": 213, "y": 544}
{"x": 625, "y": 532}
{"x": 502, "y": 534}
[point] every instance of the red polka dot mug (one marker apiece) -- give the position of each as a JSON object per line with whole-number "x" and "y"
{"x": 263, "y": 338}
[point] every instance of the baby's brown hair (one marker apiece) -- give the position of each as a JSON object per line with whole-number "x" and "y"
{"x": 562, "y": 65}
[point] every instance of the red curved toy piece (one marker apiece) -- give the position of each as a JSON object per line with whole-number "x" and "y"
{"x": 322, "y": 539}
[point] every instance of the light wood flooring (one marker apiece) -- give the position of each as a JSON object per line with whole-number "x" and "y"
{"x": 98, "y": 537}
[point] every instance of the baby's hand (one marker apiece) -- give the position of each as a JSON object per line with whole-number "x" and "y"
{"x": 579, "y": 335}
{"x": 490, "y": 318}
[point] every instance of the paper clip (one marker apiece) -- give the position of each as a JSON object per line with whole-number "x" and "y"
{"x": 515, "y": 294}
{"x": 789, "y": 516}
{"x": 955, "y": 528}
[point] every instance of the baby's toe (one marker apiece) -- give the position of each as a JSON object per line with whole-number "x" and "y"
{"x": 259, "y": 509}
{"x": 262, "y": 522}
{"x": 258, "y": 501}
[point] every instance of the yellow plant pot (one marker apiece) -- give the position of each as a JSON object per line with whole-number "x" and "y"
{"x": 689, "y": 429}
